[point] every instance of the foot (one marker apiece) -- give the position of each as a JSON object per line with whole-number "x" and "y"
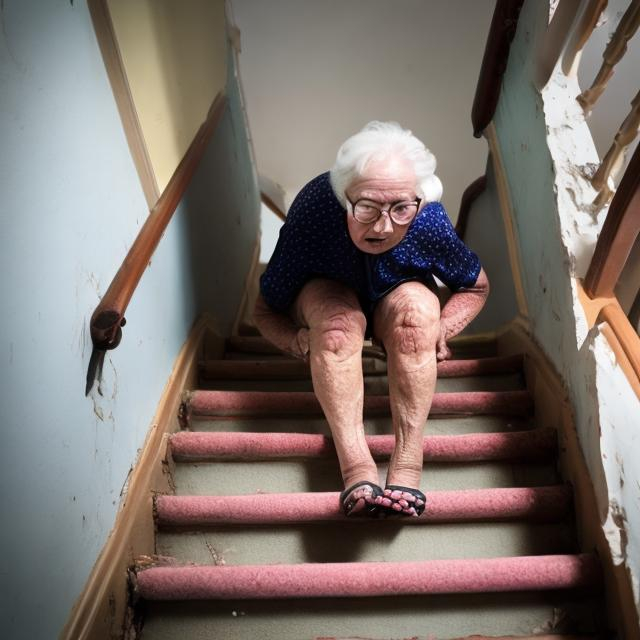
{"x": 360, "y": 499}
{"x": 401, "y": 501}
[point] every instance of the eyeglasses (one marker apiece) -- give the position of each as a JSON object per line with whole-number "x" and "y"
{"x": 367, "y": 212}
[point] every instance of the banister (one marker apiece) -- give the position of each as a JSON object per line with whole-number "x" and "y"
{"x": 618, "y": 234}
{"x": 273, "y": 206}
{"x": 582, "y": 32}
{"x": 494, "y": 63}
{"x": 613, "y": 53}
{"x": 108, "y": 317}
{"x": 468, "y": 198}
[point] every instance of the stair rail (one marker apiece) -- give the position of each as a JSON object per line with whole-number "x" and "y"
{"x": 494, "y": 63}
{"x": 108, "y": 318}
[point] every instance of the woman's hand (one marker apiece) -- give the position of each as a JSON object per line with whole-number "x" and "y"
{"x": 300, "y": 345}
{"x": 442, "y": 350}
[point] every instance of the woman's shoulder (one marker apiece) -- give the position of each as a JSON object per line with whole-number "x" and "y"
{"x": 315, "y": 198}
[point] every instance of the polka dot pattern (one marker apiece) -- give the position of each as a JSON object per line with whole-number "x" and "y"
{"x": 314, "y": 242}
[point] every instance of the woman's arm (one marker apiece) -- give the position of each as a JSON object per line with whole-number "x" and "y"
{"x": 280, "y": 330}
{"x": 461, "y": 308}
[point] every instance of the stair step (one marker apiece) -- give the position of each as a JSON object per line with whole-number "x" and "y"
{"x": 407, "y": 618}
{"x": 374, "y": 425}
{"x": 369, "y": 579}
{"x": 461, "y": 347}
{"x": 207, "y": 446}
{"x": 382, "y": 541}
{"x": 535, "y": 503}
{"x": 251, "y": 403}
{"x": 297, "y": 369}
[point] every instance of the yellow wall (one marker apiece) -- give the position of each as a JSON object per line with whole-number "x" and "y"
{"x": 174, "y": 54}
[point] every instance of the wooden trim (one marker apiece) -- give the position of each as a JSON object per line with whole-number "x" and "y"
{"x": 625, "y": 342}
{"x": 506, "y": 210}
{"x": 109, "y": 314}
{"x": 618, "y": 234}
{"x": 468, "y": 198}
{"x": 114, "y": 65}
{"x": 494, "y": 63}
{"x": 273, "y": 206}
{"x": 553, "y": 409}
{"x": 101, "y": 609}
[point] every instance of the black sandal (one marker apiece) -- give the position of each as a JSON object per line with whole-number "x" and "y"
{"x": 401, "y": 501}
{"x": 361, "y": 499}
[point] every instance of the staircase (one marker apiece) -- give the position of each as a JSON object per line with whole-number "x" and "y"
{"x": 253, "y": 543}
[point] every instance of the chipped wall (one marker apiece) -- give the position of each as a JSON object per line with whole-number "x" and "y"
{"x": 71, "y": 206}
{"x": 547, "y": 151}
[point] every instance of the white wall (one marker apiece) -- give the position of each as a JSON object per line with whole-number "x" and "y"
{"x": 316, "y": 72}
{"x": 71, "y": 206}
{"x": 543, "y": 139}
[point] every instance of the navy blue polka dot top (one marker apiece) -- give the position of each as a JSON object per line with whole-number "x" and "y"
{"x": 314, "y": 242}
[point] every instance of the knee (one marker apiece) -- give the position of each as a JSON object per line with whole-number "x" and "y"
{"x": 415, "y": 326}
{"x": 341, "y": 332}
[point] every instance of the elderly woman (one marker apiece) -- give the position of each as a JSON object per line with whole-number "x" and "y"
{"x": 356, "y": 258}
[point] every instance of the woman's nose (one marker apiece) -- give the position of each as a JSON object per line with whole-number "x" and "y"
{"x": 383, "y": 223}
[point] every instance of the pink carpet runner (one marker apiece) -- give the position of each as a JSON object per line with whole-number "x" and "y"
{"x": 253, "y": 403}
{"x": 532, "y": 503}
{"x": 369, "y": 579}
{"x": 204, "y": 445}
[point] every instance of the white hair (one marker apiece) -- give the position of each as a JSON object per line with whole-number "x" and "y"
{"x": 381, "y": 140}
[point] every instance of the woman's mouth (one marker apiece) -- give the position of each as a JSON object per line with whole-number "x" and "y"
{"x": 375, "y": 240}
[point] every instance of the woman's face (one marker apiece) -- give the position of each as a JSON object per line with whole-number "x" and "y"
{"x": 384, "y": 182}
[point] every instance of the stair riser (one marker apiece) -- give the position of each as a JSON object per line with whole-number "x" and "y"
{"x": 540, "y": 503}
{"x": 296, "y": 369}
{"x": 372, "y": 579}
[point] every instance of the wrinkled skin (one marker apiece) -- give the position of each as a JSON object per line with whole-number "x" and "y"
{"x": 327, "y": 326}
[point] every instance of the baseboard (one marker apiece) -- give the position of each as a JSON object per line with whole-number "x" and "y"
{"x": 101, "y": 609}
{"x": 553, "y": 409}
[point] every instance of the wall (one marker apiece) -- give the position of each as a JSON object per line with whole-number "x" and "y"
{"x": 545, "y": 143}
{"x": 174, "y": 58}
{"x": 71, "y": 206}
{"x": 316, "y": 72}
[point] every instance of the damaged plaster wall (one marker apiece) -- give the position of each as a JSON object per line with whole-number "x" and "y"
{"x": 548, "y": 152}
{"x": 71, "y": 207}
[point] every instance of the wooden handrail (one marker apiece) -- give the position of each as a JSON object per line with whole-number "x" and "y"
{"x": 613, "y": 53}
{"x": 468, "y": 198}
{"x": 494, "y": 63}
{"x": 273, "y": 206}
{"x": 619, "y": 232}
{"x": 108, "y": 317}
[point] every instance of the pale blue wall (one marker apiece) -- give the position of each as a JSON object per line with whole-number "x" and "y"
{"x": 70, "y": 208}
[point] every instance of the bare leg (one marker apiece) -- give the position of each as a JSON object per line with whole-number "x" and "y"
{"x": 407, "y": 322}
{"x": 336, "y": 333}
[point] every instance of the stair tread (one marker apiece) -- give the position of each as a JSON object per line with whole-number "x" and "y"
{"x": 530, "y": 444}
{"x": 538, "y": 503}
{"x": 203, "y": 402}
{"x": 370, "y": 579}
